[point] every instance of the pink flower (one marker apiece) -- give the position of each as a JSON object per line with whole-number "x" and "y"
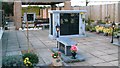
{"x": 73, "y": 48}
{"x": 59, "y": 53}
{"x": 52, "y": 54}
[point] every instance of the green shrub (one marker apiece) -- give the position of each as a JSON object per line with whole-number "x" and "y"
{"x": 101, "y": 22}
{"x": 91, "y": 20}
{"x": 93, "y": 29}
{"x": 33, "y": 58}
{"x": 11, "y": 61}
{"x": 87, "y": 27}
{"x": 88, "y": 21}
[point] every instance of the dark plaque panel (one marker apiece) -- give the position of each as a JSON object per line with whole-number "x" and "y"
{"x": 51, "y": 16}
{"x": 69, "y": 23}
{"x": 62, "y": 47}
{"x": 30, "y": 17}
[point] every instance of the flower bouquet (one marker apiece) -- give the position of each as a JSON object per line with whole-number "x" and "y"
{"x": 56, "y": 55}
{"x": 97, "y": 28}
{"x": 73, "y": 51}
{"x": 27, "y": 62}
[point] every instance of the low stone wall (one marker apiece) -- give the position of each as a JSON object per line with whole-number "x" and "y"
{"x": 1, "y": 32}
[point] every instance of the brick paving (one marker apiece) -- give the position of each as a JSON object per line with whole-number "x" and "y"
{"x": 96, "y": 48}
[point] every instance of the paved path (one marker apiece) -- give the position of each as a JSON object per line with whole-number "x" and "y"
{"x": 97, "y": 49}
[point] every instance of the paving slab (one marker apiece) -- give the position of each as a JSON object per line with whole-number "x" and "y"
{"x": 98, "y": 49}
{"x": 108, "y": 58}
{"x": 110, "y": 51}
{"x": 98, "y": 53}
{"x": 104, "y": 64}
{"x": 13, "y": 53}
{"x": 94, "y": 60}
{"x": 79, "y": 64}
{"x": 45, "y": 54}
{"x": 115, "y": 63}
{"x": 115, "y": 55}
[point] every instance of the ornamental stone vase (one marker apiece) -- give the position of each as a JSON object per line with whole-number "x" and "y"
{"x": 74, "y": 55}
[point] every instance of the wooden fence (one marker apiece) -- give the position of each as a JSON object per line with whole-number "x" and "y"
{"x": 99, "y": 12}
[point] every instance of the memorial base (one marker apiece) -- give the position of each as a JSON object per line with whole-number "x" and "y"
{"x": 69, "y": 59}
{"x": 116, "y": 43}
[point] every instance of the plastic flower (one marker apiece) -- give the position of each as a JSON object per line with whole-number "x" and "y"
{"x": 56, "y": 54}
{"x": 74, "y": 48}
{"x": 27, "y": 62}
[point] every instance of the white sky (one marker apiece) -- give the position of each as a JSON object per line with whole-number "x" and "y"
{"x": 91, "y": 2}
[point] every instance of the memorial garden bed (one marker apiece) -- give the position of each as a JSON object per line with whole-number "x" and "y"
{"x": 101, "y": 27}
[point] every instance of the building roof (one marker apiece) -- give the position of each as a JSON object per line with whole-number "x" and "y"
{"x": 42, "y": 2}
{"x": 67, "y": 11}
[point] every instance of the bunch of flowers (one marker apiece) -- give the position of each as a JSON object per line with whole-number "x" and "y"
{"x": 56, "y": 55}
{"x": 27, "y": 62}
{"x": 99, "y": 28}
{"x": 110, "y": 31}
{"x": 73, "y": 48}
{"x": 30, "y": 59}
{"x": 107, "y": 30}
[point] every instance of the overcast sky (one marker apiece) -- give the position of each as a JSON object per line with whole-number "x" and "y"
{"x": 92, "y": 2}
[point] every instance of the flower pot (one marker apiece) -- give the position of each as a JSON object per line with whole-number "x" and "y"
{"x": 74, "y": 55}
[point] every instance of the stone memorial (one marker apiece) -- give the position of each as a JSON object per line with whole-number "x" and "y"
{"x": 71, "y": 23}
{"x": 30, "y": 17}
{"x": 64, "y": 45}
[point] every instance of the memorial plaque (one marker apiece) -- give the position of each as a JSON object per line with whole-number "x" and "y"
{"x": 69, "y": 23}
{"x": 65, "y": 49}
{"x": 30, "y": 17}
{"x": 62, "y": 47}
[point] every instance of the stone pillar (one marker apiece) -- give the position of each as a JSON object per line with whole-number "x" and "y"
{"x": 67, "y": 5}
{"x": 53, "y": 7}
{"x": 17, "y": 14}
{"x": 119, "y": 12}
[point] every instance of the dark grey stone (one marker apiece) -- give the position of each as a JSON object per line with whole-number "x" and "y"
{"x": 68, "y": 59}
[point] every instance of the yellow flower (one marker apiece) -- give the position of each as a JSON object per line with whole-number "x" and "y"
{"x": 26, "y": 64}
{"x": 26, "y": 58}
{"x": 25, "y": 61}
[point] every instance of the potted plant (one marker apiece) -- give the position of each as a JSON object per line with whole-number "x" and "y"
{"x": 56, "y": 55}
{"x": 73, "y": 51}
{"x": 30, "y": 59}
